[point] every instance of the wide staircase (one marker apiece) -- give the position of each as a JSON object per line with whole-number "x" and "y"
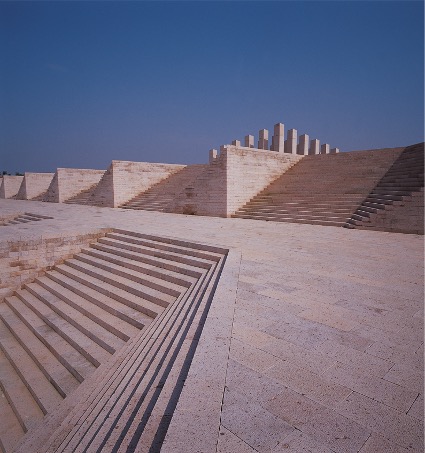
{"x": 161, "y": 196}
{"x": 403, "y": 178}
{"x": 56, "y": 331}
{"x": 83, "y": 197}
{"x": 322, "y": 189}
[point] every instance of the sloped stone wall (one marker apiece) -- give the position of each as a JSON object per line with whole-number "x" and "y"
{"x": 34, "y": 185}
{"x": 10, "y": 186}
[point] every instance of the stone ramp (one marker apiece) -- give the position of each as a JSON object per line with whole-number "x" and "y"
{"x": 161, "y": 196}
{"x": 125, "y": 305}
{"x": 321, "y": 189}
{"x": 403, "y": 182}
{"x": 10, "y": 186}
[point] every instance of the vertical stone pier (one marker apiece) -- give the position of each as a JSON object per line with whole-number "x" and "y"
{"x": 263, "y": 139}
{"x": 236, "y": 143}
{"x": 324, "y": 149}
{"x": 314, "y": 147}
{"x": 278, "y": 139}
{"x": 212, "y": 155}
{"x": 303, "y": 145}
{"x": 249, "y": 141}
{"x": 334, "y": 150}
{"x": 291, "y": 142}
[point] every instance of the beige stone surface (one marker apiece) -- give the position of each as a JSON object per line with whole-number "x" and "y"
{"x": 296, "y": 377}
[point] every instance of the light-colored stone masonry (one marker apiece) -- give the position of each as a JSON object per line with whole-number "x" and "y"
{"x": 34, "y": 185}
{"x": 69, "y": 182}
{"x": 10, "y": 186}
{"x": 24, "y": 259}
{"x": 124, "y": 180}
{"x": 404, "y": 217}
{"x": 232, "y": 179}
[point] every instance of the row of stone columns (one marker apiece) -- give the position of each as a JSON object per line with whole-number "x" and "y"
{"x": 290, "y": 146}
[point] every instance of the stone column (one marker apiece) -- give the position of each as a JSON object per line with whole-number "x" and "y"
{"x": 291, "y": 142}
{"x": 213, "y": 155}
{"x": 324, "y": 149}
{"x": 249, "y": 141}
{"x": 263, "y": 139}
{"x": 314, "y": 147}
{"x": 278, "y": 139}
{"x": 303, "y": 145}
{"x": 334, "y": 150}
{"x": 236, "y": 143}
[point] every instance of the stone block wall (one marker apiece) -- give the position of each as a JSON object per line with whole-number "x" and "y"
{"x": 68, "y": 182}
{"x": 10, "y": 186}
{"x": 124, "y": 180}
{"x": 34, "y": 185}
{"x": 231, "y": 179}
{"x": 23, "y": 260}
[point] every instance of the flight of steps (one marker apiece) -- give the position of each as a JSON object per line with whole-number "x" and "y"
{"x": 404, "y": 177}
{"x": 57, "y": 330}
{"x": 320, "y": 190}
{"x": 24, "y": 218}
{"x": 83, "y": 197}
{"x": 161, "y": 196}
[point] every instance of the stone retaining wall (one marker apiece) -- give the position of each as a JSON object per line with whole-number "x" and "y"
{"x": 34, "y": 185}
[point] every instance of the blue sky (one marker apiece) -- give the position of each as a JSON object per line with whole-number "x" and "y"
{"x": 82, "y": 83}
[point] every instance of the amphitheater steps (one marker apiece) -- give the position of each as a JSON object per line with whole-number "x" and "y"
{"x": 321, "y": 190}
{"x": 405, "y": 176}
{"x": 131, "y": 405}
{"x": 56, "y": 330}
{"x": 160, "y": 196}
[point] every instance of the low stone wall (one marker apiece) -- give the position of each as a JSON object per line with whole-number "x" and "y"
{"x": 232, "y": 179}
{"x": 10, "y": 186}
{"x": 68, "y": 182}
{"x": 23, "y": 260}
{"x": 124, "y": 180}
{"x": 34, "y": 185}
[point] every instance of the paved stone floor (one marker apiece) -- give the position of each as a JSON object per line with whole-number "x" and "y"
{"x": 326, "y": 350}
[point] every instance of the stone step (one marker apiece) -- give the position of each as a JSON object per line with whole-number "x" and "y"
{"x": 361, "y": 215}
{"x": 297, "y": 209}
{"x": 87, "y": 326}
{"x": 169, "y": 278}
{"x": 137, "y": 303}
{"x": 77, "y": 364}
{"x": 128, "y": 318}
{"x": 104, "y": 276}
{"x": 176, "y": 250}
{"x": 151, "y": 258}
{"x": 112, "y": 323}
{"x": 292, "y": 220}
{"x": 22, "y": 403}
{"x": 122, "y": 270}
{"x": 43, "y": 392}
{"x": 63, "y": 381}
{"x": 82, "y": 343}
{"x": 11, "y": 430}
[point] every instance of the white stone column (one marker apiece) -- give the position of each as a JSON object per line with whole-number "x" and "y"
{"x": 314, "y": 147}
{"x": 334, "y": 150}
{"x": 291, "y": 142}
{"x": 324, "y": 149}
{"x": 249, "y": 141}
{"x": 303, "y": 145}
{"x": 263, "y": 139}
{"x": 236, "y": 143}
{"x": 278, "y": 139}
{"x": 213, "y": 155}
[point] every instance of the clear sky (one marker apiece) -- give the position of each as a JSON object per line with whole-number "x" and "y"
{"x": 82, "y": 83}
